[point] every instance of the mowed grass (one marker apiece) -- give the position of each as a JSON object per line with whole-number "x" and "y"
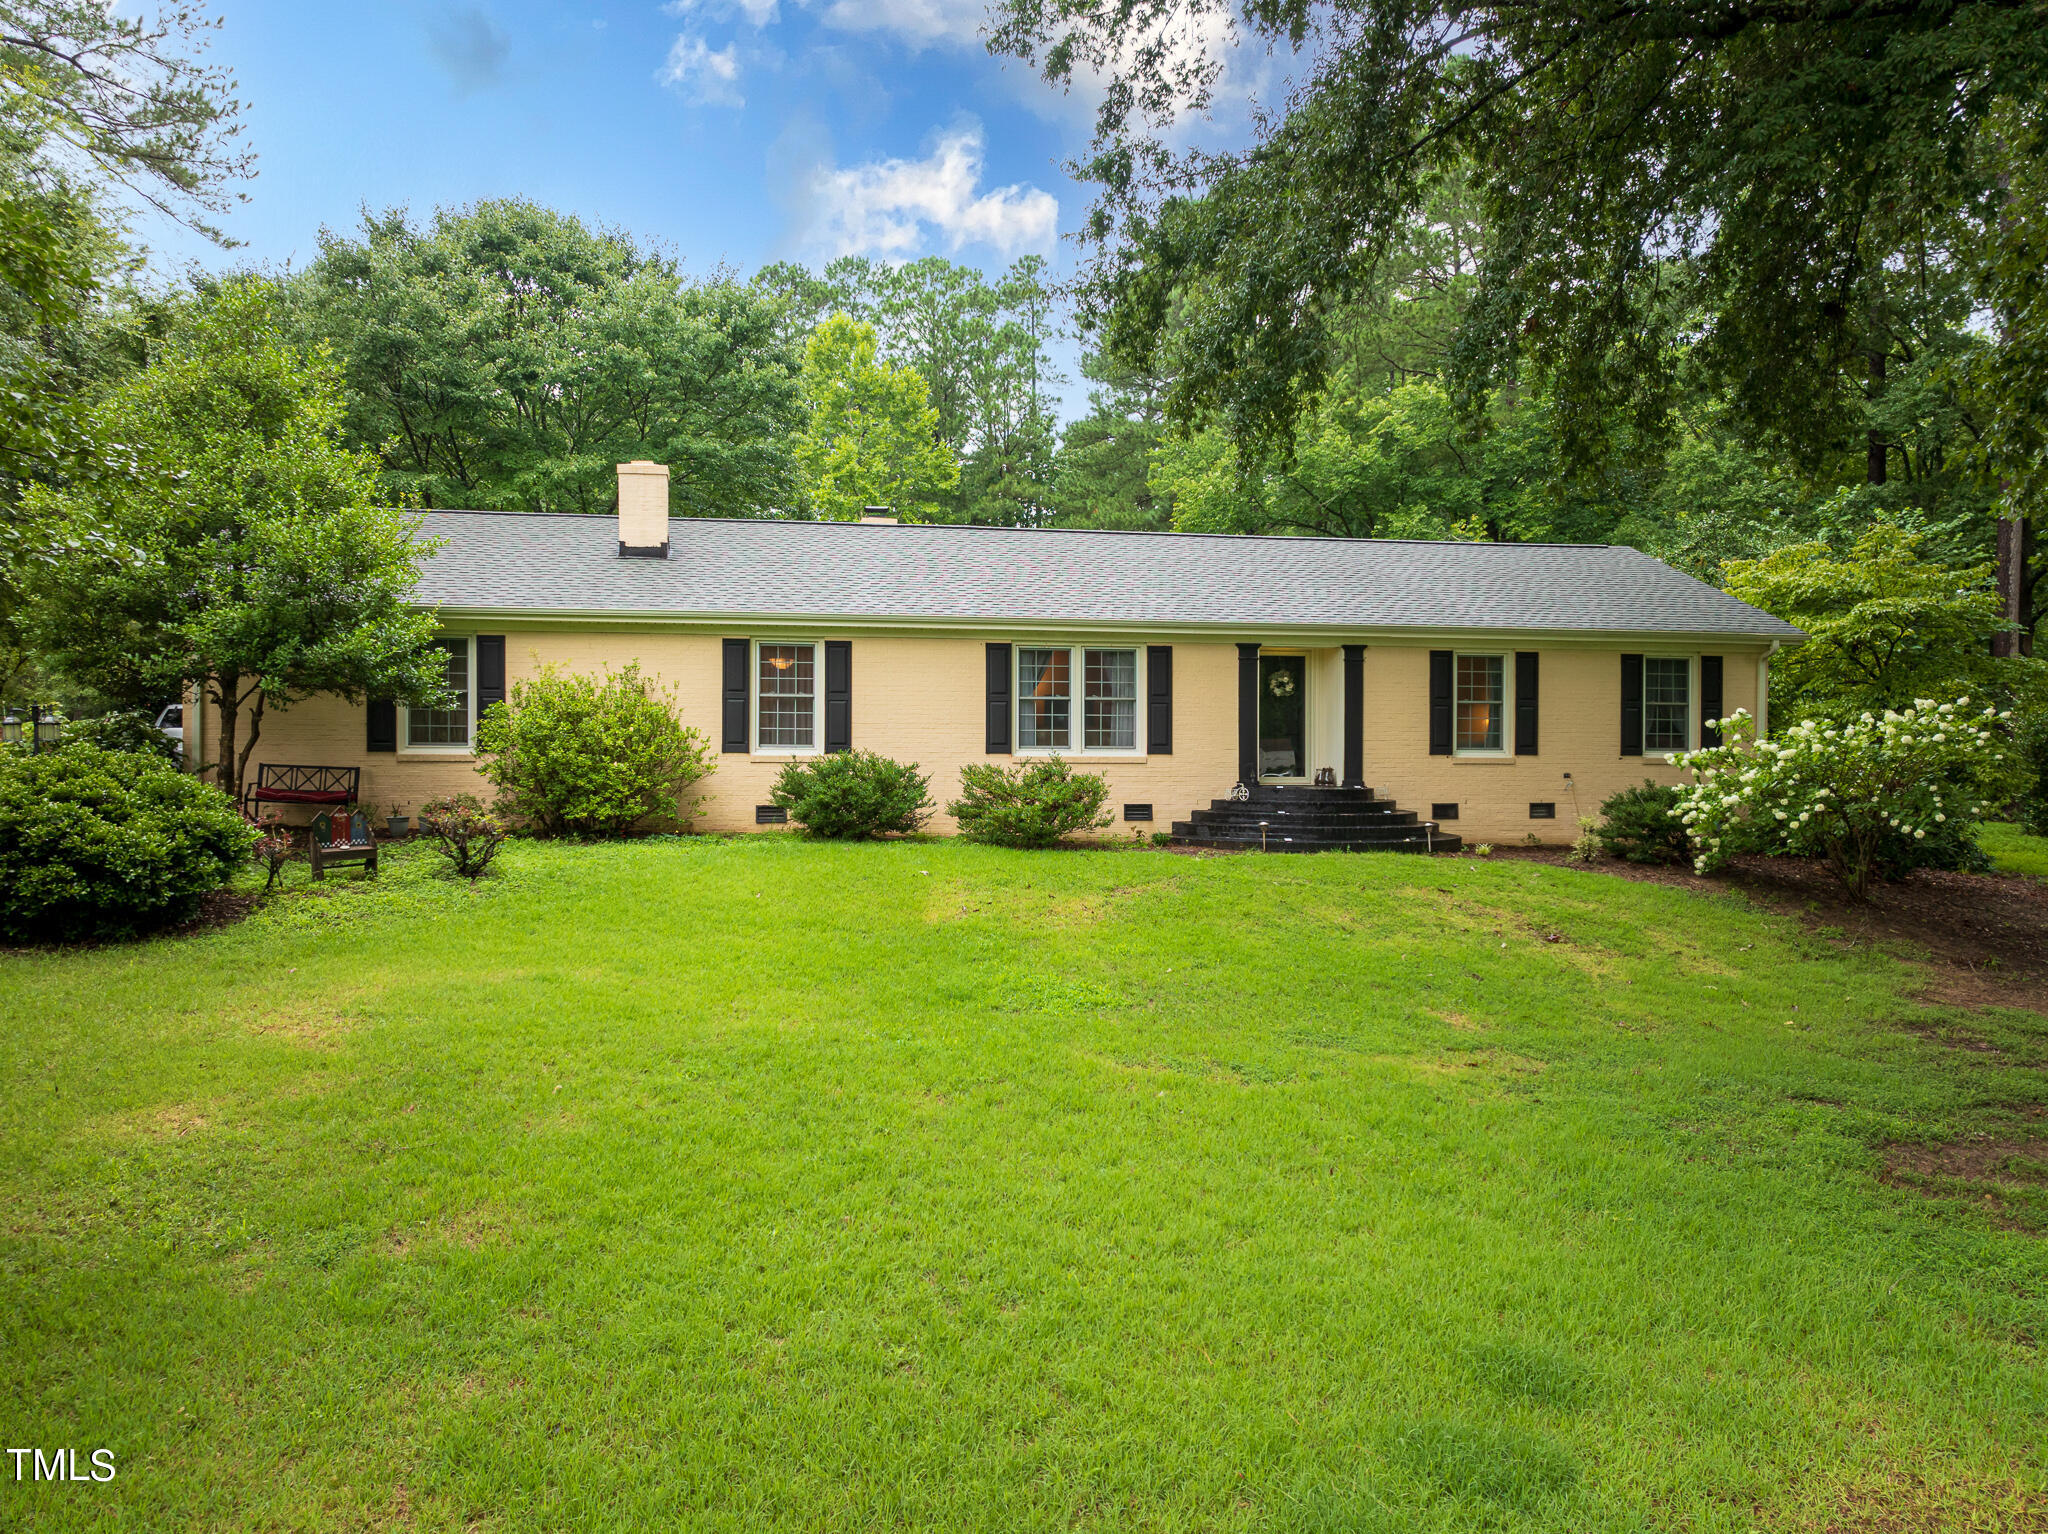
{"x": 2013, "y": 850}
{"x": 747, "y": 1184}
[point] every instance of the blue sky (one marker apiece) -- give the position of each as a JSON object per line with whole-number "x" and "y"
{"x": 736, "y": 131}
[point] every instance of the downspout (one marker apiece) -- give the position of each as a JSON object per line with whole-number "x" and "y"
{"x": 1763, "y": 688}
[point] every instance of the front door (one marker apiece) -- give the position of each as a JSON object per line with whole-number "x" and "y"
{"x": 1283, "y": 715}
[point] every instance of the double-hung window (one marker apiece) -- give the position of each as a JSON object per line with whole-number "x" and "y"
{"x": 445, "y": 729}
{"x": 1482, "y": 699}
{"x": 1108, "y": 686}
{"x": 1667, "y": 703}
{"x": 787, "y": 689}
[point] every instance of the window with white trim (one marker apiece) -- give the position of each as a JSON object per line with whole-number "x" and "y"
{"x": 445, "y": 729}
{"x": 1482, "y": 704}
{"x": 786, "y": 697}
{"x": 1108, "y": 678}
{"x": 1109, "y": 700}
{"x": 1667, "y": 702}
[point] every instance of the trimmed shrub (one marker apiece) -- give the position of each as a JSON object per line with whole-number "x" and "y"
{"x": 853, "y": 794}
{"x": 1641, "y": 825}
{"x": 467, "y": 833}
{"x": 98, "y": 844}
{"x": 590, "y": 756}
{"x": 1037, "y": 804}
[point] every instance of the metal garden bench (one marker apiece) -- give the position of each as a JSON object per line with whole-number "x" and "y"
{"x": 281, "y": 783}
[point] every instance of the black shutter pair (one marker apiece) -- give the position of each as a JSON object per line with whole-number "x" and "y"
{"x": 735, "y": 731}
{"x": 382, "y": 727}
{"x": 1158, "y": 700}
{"x": 1443, "y": 698}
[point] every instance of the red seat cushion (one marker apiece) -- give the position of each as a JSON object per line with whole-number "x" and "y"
{"x": 302, "y": 795}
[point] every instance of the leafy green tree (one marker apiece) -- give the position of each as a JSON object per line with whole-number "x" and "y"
{"x": 509, "y": 358}
{"x": 1102, "y": 471}
{"x": 249, "y": 553}
{"x": 872, "y": 437}
{"x": 1739, "y": 177}
{"x": 1884, "y": 625}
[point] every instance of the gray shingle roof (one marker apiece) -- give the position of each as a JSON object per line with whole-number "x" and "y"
{"x": 504, "y": 562}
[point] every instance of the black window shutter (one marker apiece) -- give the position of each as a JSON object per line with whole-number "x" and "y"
{"x": 1525, "y": 702}
{"x": 383, "y": 732}
{"x": 838, "y": 695}
{"x": 490, "y": 671}
{"x": 1354, "y": 716}
{"x": 734, "y": 713}
{"x": 1440, "y": 711}
{"x": 998, "y": 700}
{"x": 1710, "y": 698}
{"x": 1631, "y": 705}
{"x": 1159, "y": 696}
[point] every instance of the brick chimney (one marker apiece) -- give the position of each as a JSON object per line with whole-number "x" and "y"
{"x": 643, "y": 510}
{"x": 878, "y": 514}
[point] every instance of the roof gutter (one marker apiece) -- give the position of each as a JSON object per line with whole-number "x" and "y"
{"x": 1279, "y": 633}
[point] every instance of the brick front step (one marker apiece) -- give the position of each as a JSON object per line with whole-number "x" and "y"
{"x": 1310, "y": 820}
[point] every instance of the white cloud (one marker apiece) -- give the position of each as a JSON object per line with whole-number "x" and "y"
{"x": 917, "y": 22}
{"x": 710, "y": 77}
{"x": 759, "y": 13}
{"x": 895, "y": 207}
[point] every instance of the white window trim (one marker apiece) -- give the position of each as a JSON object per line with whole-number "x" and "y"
{"x": 1077, "y": 703}
{"x": 468, "y": 747}
{"x": 816, "y": 747}
{"x": 1692, "y": 702}
{"x": 1506, "y": 748}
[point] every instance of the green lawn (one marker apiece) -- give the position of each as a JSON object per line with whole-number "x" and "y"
{"x": 2013, "y": 850}
{"x": 745, "y": 1184}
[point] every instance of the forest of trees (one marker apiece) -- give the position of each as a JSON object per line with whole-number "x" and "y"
{"x": 506, "y": 356}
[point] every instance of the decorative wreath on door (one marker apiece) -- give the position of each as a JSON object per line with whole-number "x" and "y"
{"x": 1281, "y": 684}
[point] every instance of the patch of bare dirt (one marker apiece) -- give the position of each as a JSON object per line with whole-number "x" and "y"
{"x": 1985, "y": 1169}
{"x": 1985, "y": 935}
{"x": 1980, "y": 1158}
{"x": 217, "y": 909}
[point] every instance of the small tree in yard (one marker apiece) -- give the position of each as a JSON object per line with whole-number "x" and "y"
{"x": 1037, "y": 805}
{"x": 466, "y": 833}
{"x": 247, "y": 552}
{"x": 1848, "y": 793}
{"x": 853, "y": 795}
{"x": 590, "y": 756}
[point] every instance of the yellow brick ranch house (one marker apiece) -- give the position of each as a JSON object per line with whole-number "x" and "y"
{"x": 1487, "y": 690}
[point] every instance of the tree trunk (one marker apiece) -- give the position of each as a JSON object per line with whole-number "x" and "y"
{"x": 2012, "y": 589}
{"x": 1874, "y": 453}
{"x": 227, "y": 690}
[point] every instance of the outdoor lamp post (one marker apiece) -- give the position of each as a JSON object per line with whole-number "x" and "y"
{"x": 10, "y": 729}
{"x": 49, "y": 727}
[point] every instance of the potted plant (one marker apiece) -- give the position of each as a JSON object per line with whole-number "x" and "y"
{"x": 396, "y": 822}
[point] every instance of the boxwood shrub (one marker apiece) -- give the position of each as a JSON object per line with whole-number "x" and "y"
{"x": 97, "y": 843}
{"x": 1033, "y": 805}
{"x": 1641, "y": 825}
{"x": 576, "y": 755}
{"x": 851, "y": 795}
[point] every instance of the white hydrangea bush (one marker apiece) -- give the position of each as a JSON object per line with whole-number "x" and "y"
{"x": 1839, "y": 790}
